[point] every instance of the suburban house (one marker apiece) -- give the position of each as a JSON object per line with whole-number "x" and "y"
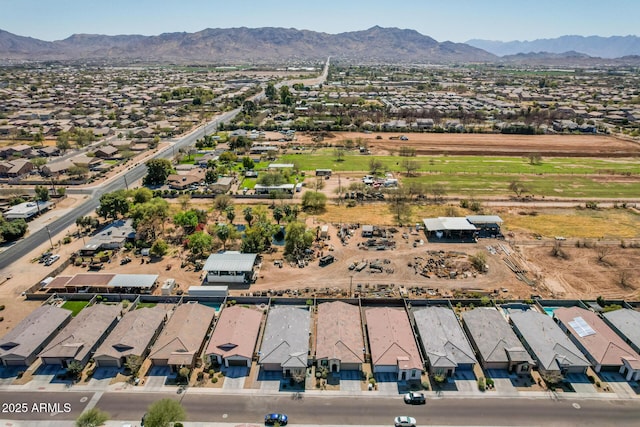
{"x": 57, "y": 168}
{"x": 20, "y": 150}
{"x": 443, "y": 341}
{"x": 83, "y": 160}
{"x": 339, "y": 337}
{"x": 626, "y": 323}
{"x": 230, "y": 267}
{"x": 495, "y": 342}
{"x": 132, "y": 336}
{"x": 106, "y": 152}
{"x": 77, "y": 341}
{"x": 603, "y": 347}
{"x": 392, "y": 343}
{"x": 552, "y": 350}
{"x": 21, "y": 345}
{"x": 222, "y": 185}
{"x": 15, "y": 168}
{"x": 285, "y": 343}
{"x": 113, "y": 236}
{"x": 182, "y": 338}
{"x": 183, "y": 182}
{"x": 235, "y": 336}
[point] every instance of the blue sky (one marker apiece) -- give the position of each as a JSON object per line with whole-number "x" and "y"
{"x": 455, "y": 20}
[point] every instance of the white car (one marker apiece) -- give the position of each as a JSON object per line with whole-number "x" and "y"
{"x": 404, "y": 422}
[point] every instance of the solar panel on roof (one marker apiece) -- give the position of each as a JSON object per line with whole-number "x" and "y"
{"x": 581, "y": 327}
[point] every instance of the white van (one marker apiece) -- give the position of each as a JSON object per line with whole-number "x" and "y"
{"x": 52, "y": 259}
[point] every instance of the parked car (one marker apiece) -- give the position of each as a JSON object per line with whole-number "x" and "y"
{"x": 415, "y": 398}
{"x": 52, "y": 259}
{"x": 271, "y": 419}
{"x": 404, "y": 421}
{"x": 125, "y": 260}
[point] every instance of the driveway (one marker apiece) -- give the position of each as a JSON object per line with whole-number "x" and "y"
{"x": 157, "y": 377}
{"x": 270, "y": 380}
{"x": 503, "y": 381}
{"x": 350, "y": 381}
{"x": 580, "y": 383}
{"x": 234, "y": 377}
{"x": 103, "y": 376}
{"x": 465, "y": 380}
{"x": 387, "y": 383}
{"x": 619, "y": 384}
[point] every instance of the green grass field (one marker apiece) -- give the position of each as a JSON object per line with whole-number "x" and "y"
{"x": 145, "y": 305}
{"x": 476, "y": 175}
{"x": 75, "y": 306}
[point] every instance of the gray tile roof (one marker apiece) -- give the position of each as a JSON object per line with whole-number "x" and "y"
{"x": 550, "y": 346}
{"x": 230, "y": 261}
{"x": 443, "y": 338}
{"x": 286, "y": 337}
{"x": 493, "y": 336}
{"x": 627, "y": 322}
{"x": 133, "y": 334}
{"x": 32, "y": 331}
{"x": 81, "y": 335}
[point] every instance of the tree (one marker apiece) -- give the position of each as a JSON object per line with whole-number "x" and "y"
{"x": 142, "y": 195}
{"x": 479, "y": 261}
{"x": 210, "y": 176}
{"x": 249, "y": 108}
{"x": 222, "y": 233}
{"x": 339, "y": 154}
{"x": 228, "y": 157}
{"x": 222, "y": 202}
{"x": 13, "y": 230}
{"x": 78, "y": 171}
{"x": 188, "y": 220}
{"x": 42, "y": 193}
{"x": 163, "y": 413}
{"x": 248, "y": 215}
{"x": 133, "y": 363}
{"x": 248, "y": 163}
{"x": 397, "y": 199}
{"x": 410, "y": 166}
{"x": 270, "y": 92}
{"x": 534, "y": 159}
{"x": 62, "y": 142}
{"x": 230, "y": 212}
{"x": 297, "y": 239}
{"x": 518, "y": 188}
{"x": 199, "y": 243}
{"x": 285, "y": 95}
{"x": 38, "y": 138}
{"x": 313, "y": 201}
{"x": 159, "y": 248}
{"x": 271, "y": 179}
{"x": 38, "y": 162}
{"x": 184, "y": 200}
{"x": 93, "y": 417}
{"x": 74, "y": 369}
{"x": 375, "y": 165}
{"x": 278, "y": 214}
{"x": 157, "y": 171}
{"x": 113, "y": 204}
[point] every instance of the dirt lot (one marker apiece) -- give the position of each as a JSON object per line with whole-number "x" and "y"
{"x": 581, "y": 275}
{"x": 491, "y": 144}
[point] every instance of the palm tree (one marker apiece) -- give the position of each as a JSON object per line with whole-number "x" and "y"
{"x": 248, "y": 215}
{"x": 230, "y": 211}
{"x": 223, "y": 233}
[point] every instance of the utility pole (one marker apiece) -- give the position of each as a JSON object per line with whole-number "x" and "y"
{"x": 125, "y": 181}
{"x": 49, "y": 233}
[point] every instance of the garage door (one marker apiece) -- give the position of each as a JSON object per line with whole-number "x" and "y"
{"x": 15, "y": 362}
{"x": 107, "y": 362}
{"x": 237, "y": 362}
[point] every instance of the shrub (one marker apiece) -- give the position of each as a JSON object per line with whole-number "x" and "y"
{"x": 372, "y": 381}
{"x": 200, "y": 376}
{"x": 1, "y": 307}
{"x": 481, "y": 384}
{"x": 489, "y": 382}
{"x": 66, "y": 240}
{"x": 592, "y": 379}
{"x": 214, "y": 380}
{"x": 425, "y": 385}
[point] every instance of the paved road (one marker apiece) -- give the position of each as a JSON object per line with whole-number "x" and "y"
{"x": 320, "y": 410}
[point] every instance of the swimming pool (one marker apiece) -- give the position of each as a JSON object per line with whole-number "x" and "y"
{"x": 550, "y": 310}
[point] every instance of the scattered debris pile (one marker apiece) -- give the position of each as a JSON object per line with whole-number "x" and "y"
{"x": 375, "y": 266}
{"x": 443, "y": 265}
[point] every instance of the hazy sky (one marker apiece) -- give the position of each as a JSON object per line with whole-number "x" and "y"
{"x": 455, "y": 20}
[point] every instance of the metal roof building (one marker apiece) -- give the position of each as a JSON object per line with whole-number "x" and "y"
{"x": 230, "y": 267}
{"x": 448, "y": 224}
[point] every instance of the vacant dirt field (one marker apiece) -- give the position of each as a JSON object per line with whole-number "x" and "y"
{"x": 582, "y": 275}
{"x": 491, "y": 144}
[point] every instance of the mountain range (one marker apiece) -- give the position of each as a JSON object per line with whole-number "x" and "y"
{"x": 595, "y": 46}
{"x": 278, "y": 45}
